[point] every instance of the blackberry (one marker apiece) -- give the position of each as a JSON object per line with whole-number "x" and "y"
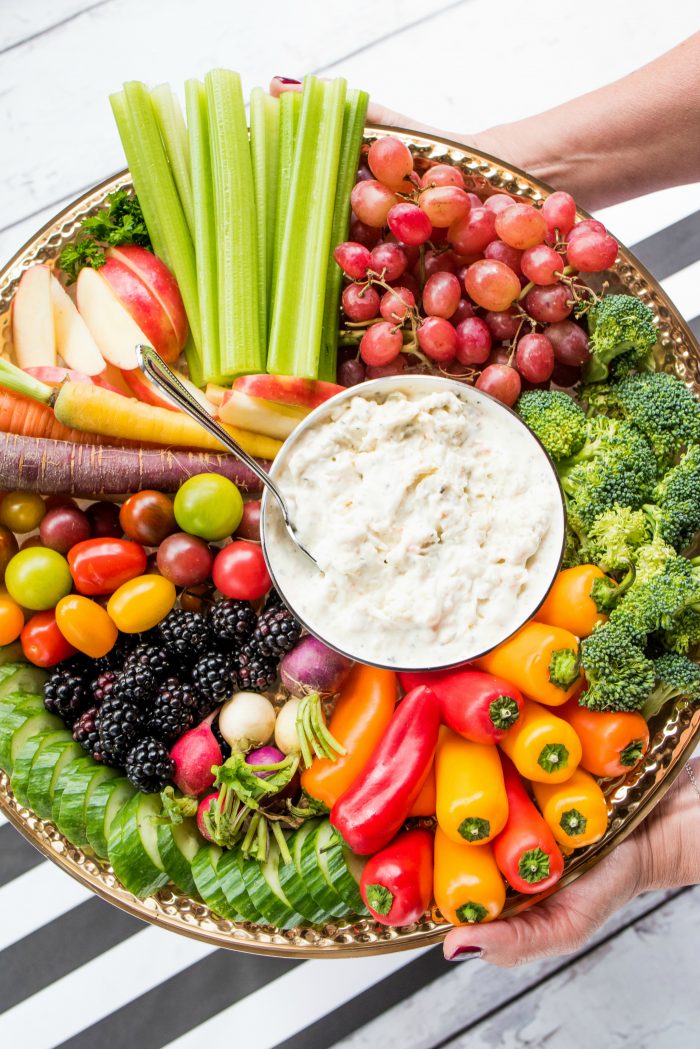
{"x": 225, "y": 746}
{"x": 273, "y": 600}
{"x": 232, "y": 620}
{"x": 149, "y": 766}
{"x": 213, "y": 679}
{"x": 172, "y": 712}
{"x": 277, "y": 631}
{"x": 154, "y": 655}
{"x": 102, "y": 686}
{"x": 86, "y": 734}
{"x": 186, "y": 634}
{"x": 254, "y": 671}
{"x": 120, "y": 726}
{"x": 67, "y": 693}
{"x": 135, "y": 684}
{"x": 116, "y": 657}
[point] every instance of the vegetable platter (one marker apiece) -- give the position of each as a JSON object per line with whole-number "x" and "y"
{"x": 628, "y": 797}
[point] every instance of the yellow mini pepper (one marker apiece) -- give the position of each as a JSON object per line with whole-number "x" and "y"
{"x": 472, "y": 805}
{"x": 468, "y": 886}
{"x": 542, "y": 661}
{"x": 576, "y": 811}
{"x": 577, "y": 600}
{"x": 543, "y": 747}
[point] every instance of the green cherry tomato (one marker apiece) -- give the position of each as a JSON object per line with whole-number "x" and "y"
{"x": 38, "y": 578}
{"x": 209, "y": 506}
{"x": 22, "y": 511}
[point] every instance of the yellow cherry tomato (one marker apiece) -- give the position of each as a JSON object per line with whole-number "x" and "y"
{"x": 468, "y": 886}
{"x": 11, "y": 620}
{"x": 472, "y": 805}
{"x": 576, "y": 811}
{"x": 141, "y": 603}
{"x": 85, "y": 625}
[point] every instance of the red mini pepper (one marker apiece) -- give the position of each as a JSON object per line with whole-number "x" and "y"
{"x": 475, "y": 704}
{"x": 373, "y": 808}
{"x": 525, "y": 851}
{"x": 397, "y": 883}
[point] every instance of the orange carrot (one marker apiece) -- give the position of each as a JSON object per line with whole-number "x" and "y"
{"x": 28, "y": 418}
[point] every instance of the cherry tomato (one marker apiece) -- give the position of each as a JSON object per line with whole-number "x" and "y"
{"x": 11, "y": 620}
{"x": 184, "y": 559}
{"x": 43, "y": 643}
{"x": 86, "y": 625}
{"x": 209, "y": 506}
{"x": 8, "y": 549}
{"x": 22, "y": 511}
{"x": 63, "y": 527}
{"x": 141, "y": 603}
{"x": 249, "y": 528}
{"x": 148, "y": 517}
{"x": 240, "y": 571}
{"x": 100, "y": 566}
{"x": 104, "y": 520}
{"x": 38, "y": 578}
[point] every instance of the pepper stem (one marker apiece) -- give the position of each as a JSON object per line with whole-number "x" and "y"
{"x": 573, "y": 822}
{"x": 379, "y": 898}
{"x": 564, "y": 667}
{"x": 471, "y": 913}
{"x": 633, "y": 753}
{"x": 503, "y": 712}
{"x": 553, "y": 756}
{"x": 474, "y": 829}
{"x": 534, "y": 866}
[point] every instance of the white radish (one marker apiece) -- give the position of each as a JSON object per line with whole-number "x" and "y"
{"x": 247, "y": 716}
{"x": 286, "y": 735}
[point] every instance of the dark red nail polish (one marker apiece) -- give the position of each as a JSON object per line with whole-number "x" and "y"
{"x": 287, "y": 80}
{"x": 465, "y": 954}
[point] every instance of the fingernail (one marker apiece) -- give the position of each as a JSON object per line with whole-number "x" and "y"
{"x": 287, "y": 80}
{"x": 465, "y": 954}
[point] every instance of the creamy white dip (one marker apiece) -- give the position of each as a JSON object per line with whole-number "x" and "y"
{"x": 434, "y": 516}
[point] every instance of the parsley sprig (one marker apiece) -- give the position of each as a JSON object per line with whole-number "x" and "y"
{"x": 121, "y": 222}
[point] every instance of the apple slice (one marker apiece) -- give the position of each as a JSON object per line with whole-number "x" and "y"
{"x": 153, "y": 272}
{"x": 146, "y": 390}
{"x": 74, "y": 342}
{"x": 55, "y": 376}
{"x": 112, "y": 327}
{"x": 215, "y": 393}
{"x": 266, "y": 417}
{"x": 144, "y": 308}
{"x": 287, "y": 389}
{"x": 33, "y": 334}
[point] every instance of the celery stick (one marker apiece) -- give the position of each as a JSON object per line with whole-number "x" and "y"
{"x": 264, "y": 149}
{"x": 353, "y": 133}
{"x": 204, "y": 230}
{"x": 240, "y": 336}
{"x": 157, "y": 192}
{"x": 174, "y": 132}
{"x": 295, "y": 336}
{"x": 290, "y": 111}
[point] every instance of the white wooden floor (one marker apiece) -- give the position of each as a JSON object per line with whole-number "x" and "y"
{"x": 77, "y": 973}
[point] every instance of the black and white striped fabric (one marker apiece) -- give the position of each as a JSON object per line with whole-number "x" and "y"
{"x": 76, "y": 973}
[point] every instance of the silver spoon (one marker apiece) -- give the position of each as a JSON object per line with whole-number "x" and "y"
{"x": 152, "y": 365}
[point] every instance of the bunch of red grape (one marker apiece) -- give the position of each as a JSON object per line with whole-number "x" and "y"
{"x": 484, "y": 290}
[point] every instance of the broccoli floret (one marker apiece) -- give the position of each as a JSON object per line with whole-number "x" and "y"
{"x": 676, "y": 516}
{"x": 606, "y": 594}
{"x": 619, "y": 675}
{"x": 555, "y": 419}
{"x": 683, "y": 635}
{"x": 663, "y": 408}
{"x": 618, "y": 324}
{"x": 655, "y": 604}
{"x": 650, "y": 559}
{"x": 614, "y": 537}
{"x": 572, "y": 548}
{"x": 676, "y": 677}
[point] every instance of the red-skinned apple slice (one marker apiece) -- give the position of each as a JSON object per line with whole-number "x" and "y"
{"x": 74, "y": 342}
{"x": 147, "y": 391}
{"x": 287, "y": 389}
{"x": 33, "y": 334}
{"x": 54, "y": 376}
{"x": 112, "y": 327}
{"x": 144, "y": 308}
{"x": 266, "y": 417}
{"x": 153, "y": 272}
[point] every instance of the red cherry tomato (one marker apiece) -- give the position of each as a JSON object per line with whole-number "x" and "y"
{"x": 100, "y": 566}
{"x": 240, "y": 571}
{"x": 42, "y": 642}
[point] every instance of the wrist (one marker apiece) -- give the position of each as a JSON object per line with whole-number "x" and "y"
{"x": 669, "y": 839}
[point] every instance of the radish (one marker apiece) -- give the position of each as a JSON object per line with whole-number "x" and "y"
{"x": 205, "y": 807}
{"x": 313, "y": 667}
{"x": 247, "y": 718}
{"x": 194, "y": 755}
{"x": 286, "y": 735}
{"x": 272, "y": 756}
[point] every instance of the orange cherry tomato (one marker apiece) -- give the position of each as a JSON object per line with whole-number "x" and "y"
{"x": 86, "y": 625}
{"x": 11, "y": 620}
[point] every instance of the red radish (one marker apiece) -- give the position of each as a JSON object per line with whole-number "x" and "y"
{"x": 194, "y": 754}
{"x": 272, "y": 756}
{"x": 205, "y": 807}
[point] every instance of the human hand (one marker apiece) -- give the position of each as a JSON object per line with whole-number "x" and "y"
{"x": 664, "y": 852}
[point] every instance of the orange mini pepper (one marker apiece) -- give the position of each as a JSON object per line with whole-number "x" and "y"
{"x": 362, "y": 713}
{"x": 424, "y": 805}
{"x": 612, "y": 742}
{"x": 576, "y": 811}
{"x": 577, "y": 600}
{"x": 472, "y": 805}
{"x": 467, "y": 883}
{"x": 542, "y": 661}
{"x": 542, "y": 746}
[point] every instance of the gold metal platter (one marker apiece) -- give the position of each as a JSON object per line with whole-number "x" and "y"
{"x": 630, "y": 799}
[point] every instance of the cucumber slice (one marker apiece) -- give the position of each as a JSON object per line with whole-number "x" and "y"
{"x": 208, "y": 884}
{"x": 72, "y": 816}
{"x": 230, "y": 874}
{"x": 46, "y": 769}
{"x": 314, "y": 872}
{"x": 107, "y": 799}
{"x": 133, "y": 846}
{"x": 12, "y": 716}
{"x": 292, "y": 882}
{"x": 11, "y": 653}
{"x": 178, "y": 844}
{"x": 37, "y": 721}
{"x": 25, "y": 759}
{"x": 345, "y": 870}
{"x": 73, "y": 769}
{"x": 23, "y": 677}
{"x": 263, "y": 886}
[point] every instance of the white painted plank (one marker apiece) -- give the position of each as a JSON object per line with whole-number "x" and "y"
{"x": 35, "y": 898}
{"x": 21, "y": 22}
{"x": 683, "y": 288}
{"x": 467, "y": 991}
{"x": 634, "y": 220}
